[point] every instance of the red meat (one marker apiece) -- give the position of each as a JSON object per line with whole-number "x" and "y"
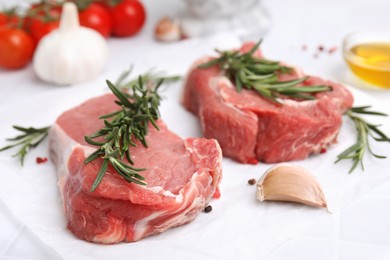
{"x": 182, "y": 176}
{"x": 249, "y": 128}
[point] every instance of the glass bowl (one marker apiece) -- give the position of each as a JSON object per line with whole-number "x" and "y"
{"x": 247, "y": 19}
{"x": 368, "y": 56}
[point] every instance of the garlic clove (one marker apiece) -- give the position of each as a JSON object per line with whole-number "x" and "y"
{"x": 167, "y": 30}
{"x": 288, "y": 182}
{"x": 69, "y": 18}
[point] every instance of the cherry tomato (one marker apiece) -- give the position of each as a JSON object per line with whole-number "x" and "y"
{"x": 43, "y": 8}
{"x": 41, "y": 19}
{"x": 16, "y": 48}
{"x": 39, "y": 28}
{"x": 9, "y": 20}
{"x": 128, "y": 18}
{"x": 3, "y": 19}
{"x": 96, "y": 17}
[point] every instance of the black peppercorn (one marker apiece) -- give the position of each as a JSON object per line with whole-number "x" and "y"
{"x": 252, "y": 182}
{"x": 208, "y": 209}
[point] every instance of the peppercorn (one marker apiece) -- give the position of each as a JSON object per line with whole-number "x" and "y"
{"x": 252, "y": 182}
{"x": 208, "y": 209}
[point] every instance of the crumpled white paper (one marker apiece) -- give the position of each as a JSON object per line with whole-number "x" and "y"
{"x": 239, "y": 227}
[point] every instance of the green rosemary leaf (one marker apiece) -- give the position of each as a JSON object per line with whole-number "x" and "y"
{"x": 374, "y": 154}
{"x": 149, "y": 78}
{"x": 312, "y": 89}
{"x": 143, "y": 141}
{"x": 93, "y": 156}
{"x": 17, "y": 138}
{"x": 129, "y": 167}
{"x": 260, "y": 75}
{"x": 92, "y": 142}
{"x": 128, "y": 175}
{"x": 151, "y": 120}
{"x": 30, "y": 138}
{"x": 383, "y": 137}
{"x": 139, "y": 109}
{"x": 138, "y": 178}
{"x": 289, "y": 83}
{"x": 22, "y": 152}
{"x": 347, "y": 152}
{"x": 238, "y": 84}
{"x": 10, "y": 146}
{"x": 137, "y": 181}
{"x": 355, "y": 164}
{"x": 26, "y": 130}
{"x": 210, "y": 63}
{"x": 124, "y": 76}
{"x": 301, "y": 90}
{"x": 125, "y": 167}
{"x": 100, "y": 175}
{"x": 285, "y": 69}
{"x": 266, "y": 93}
{"x": 363, "y": 110}
{"x": 108, "y": 125}
{"x": 99, "y": 133}
{"x": 35, "y": 142}
{"x": 110, "y": 114}
{"x": 128, "y": 157}
{"x": 260, "y": 68}
{"x": 122, "y": 98}
{"x": 364, "y": 131}
{"x": 298, "y": 95}
{"x": 160, "y": 81}
{"x": 254, "y": 48}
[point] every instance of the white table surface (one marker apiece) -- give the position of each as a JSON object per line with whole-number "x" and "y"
{"x": 358, "y": 231}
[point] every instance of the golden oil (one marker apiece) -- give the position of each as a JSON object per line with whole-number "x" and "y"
{"x": 371, "y": 62}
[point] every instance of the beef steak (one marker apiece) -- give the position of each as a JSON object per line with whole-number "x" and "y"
{"x": 249, "y": 128}
{"x": 182, "y": 176}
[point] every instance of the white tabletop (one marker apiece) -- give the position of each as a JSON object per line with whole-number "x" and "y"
{"x": 357, "y": 231}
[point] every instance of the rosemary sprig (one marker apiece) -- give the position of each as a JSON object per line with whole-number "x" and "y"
{"x": 30, "y": 137}
{"x": 259, "y": 74}
{"x": 138, "y": 108}
{"x": 365, "y": 130}
{"x": 150, "y": 78}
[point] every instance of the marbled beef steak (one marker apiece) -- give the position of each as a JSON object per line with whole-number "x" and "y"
{"x": 182, "y": 176}
{"x": 250, "y": 128}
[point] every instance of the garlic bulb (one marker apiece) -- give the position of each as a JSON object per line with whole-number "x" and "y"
{"x": 72, "y": 53}
{"x": 287, "y": 182}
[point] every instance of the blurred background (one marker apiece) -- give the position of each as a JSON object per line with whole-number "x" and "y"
{"x": 298, "y": 31}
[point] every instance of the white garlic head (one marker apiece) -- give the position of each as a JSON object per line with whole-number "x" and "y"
{"x": 72, "y": 53}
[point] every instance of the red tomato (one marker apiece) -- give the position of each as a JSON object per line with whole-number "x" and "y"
{"x": 45, "y": 8}
{"x": 128, "y": 18}
{"x": 9, "y": 20}
{"x": 39, "y": 28}
{"x": 96, "y": 17}
{"x": 41, "y": 19}
{"x": 16, "y": 48}
{"x": 3, "y": 19}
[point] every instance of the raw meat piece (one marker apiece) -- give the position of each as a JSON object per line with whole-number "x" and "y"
{"x": 249, "y": 128}
{"x": 182, "y": 176}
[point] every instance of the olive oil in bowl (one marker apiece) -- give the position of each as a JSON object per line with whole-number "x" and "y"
{"x": 369, "y": 59}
